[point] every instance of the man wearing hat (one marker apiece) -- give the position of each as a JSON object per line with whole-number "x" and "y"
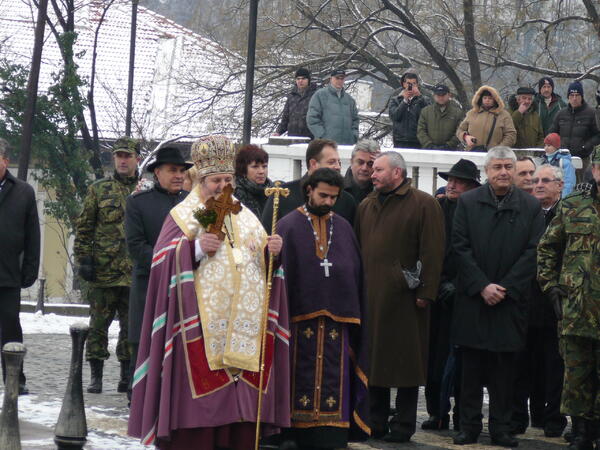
{"x": 197, "y": 373}
{"x": 405, "y": 110}
{"x": 101, "y": 253}
{"x": 548, "y": 103}
{"x": 527, "y": 121}
{"x": 293, "y": 118}
{"x": 144, "y": 216}
{"x": 576, "y": 125}
{"x": 438, "y": 122}
{"x": 332, "y": 112}
{"x": 462, "y": 177}
{"x": 569, "y": 274}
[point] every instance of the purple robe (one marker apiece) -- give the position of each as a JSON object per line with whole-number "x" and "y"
{"x": 172, "y": 359}
{"x": 329, "y": 339}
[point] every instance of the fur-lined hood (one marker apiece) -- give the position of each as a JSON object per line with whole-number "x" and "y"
{"x": 476, "y": 100}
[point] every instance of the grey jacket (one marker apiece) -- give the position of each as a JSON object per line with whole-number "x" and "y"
{"x": 333, "y": 117}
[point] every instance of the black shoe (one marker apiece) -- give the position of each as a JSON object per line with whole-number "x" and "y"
{"x": 553, "y": 432}
{"x": 379, "y": 433}
{"x": 23, "y": 389}
{"x": 504, "y": 440}
{"x": 436, "y": 423}
{"x": 97, "y": 367}
{"x": 465, "y": 438}
{"x": 124, "y": 379}
{"x": 517, "y": 429}
{"x": 396, "y": 436}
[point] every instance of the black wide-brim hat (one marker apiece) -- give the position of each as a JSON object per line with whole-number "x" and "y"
{"x": 464, "y": 169}
{"x": 168, "y": 155}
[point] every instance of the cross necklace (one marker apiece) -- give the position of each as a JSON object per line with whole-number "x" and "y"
{"x": 325, "y": 264}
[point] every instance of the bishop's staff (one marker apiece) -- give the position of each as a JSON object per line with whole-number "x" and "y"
{"x": 275, "y": 191}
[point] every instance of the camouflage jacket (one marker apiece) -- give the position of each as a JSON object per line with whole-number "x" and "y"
{"x": 100, "y": 233}
{"x": 569, "y": 257}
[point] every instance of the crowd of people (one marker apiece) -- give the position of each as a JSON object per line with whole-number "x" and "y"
{"x": 374, "y": 284}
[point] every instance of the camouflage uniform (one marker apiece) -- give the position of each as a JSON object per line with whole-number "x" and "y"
{"x": 100, "y": 243}
{"x": 569, "y": 258}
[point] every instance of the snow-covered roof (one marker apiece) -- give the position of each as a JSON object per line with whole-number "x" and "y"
{"x": 168, "y": 57}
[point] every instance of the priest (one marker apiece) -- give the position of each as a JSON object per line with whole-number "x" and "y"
{"x": 197, "y": 372}
{"x": 324, "y": 277}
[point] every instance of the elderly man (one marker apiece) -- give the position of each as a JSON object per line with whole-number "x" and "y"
{"x": 462, "y": 177}
{"x": 293, "y": 118}
{"x": 101, "y": 252}
{"x": 357, "y": 181}
{"x": 197, "y": 375}
{"x": 540, "y": 372}
{"x": 145, "y": 213}
{"x": 438, "y": 122}
{"x": 401, "y": 233}
{"x": 332, "y": 112}
{"x": 525, "y": 169}
{"x": 526, "y": 118}
{"x": 20, "y": 250}
{"x": 495, "y": 234}
{"x": 569, "y": 273}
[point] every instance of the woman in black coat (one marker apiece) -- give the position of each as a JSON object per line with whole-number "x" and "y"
{"x": 251, "y": 170}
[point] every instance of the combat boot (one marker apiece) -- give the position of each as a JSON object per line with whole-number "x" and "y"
{"x": 124, "y": 380}
{"x": 95, "y": 386}
{"x": 582, "y": 430}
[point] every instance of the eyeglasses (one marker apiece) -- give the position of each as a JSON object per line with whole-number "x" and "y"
{"x": 543, "y": 180}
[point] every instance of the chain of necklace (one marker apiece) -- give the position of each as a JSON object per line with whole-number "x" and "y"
{"x": 306, "y": 213}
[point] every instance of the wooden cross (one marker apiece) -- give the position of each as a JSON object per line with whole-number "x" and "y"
{"x": 222, "y": 205}
{"x": 326, "y": 265}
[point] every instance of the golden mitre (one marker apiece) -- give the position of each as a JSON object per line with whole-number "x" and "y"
{"x": 213, "y": 154}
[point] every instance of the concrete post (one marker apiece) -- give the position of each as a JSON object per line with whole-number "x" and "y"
{"x": 10, "y": 439}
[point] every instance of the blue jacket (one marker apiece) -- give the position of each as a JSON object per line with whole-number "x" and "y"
{"x": 562, "y": 159}
{"x": 333, "y": 117}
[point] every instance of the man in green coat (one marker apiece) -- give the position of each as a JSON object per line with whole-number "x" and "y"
{"x": 101, "y": 254}
{"x": 438, "y": 122}
{"x": 332, "y": 112}
{"x": 548, "y": 103}
{"x": 527, "y": 121}
{"x": 569, "y": 273}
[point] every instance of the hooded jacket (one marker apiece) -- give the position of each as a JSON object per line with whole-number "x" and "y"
{"x": 478, "y": 122}
{"x": 529, "y": 127}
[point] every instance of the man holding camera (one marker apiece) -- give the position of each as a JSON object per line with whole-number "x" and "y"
{"x": 405, "y": 110}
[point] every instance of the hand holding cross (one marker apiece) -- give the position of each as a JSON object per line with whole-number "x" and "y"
{"x": 222, "y": 205}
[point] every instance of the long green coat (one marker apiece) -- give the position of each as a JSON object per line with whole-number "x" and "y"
{"x": 530, "y": 132}
{"x": 407, "y": 228}
{"x": 437, "y": 128}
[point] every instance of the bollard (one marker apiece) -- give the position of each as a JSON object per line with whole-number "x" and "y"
{"x": 71, "y": 428}
{"x": 41, "y": 293}
{"x": 10, "y": 439}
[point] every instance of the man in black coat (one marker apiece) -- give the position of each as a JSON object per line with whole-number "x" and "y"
{"x": 357, "y": 181}
{"x": 319, "y": 153}
{"x": 462, "y": 177}
{"x": 20, "y": 250}
{"x": 144, "y": 216}
{"x": 405, "y": 110}
{"x": 293, "y": 118}
{"x": 496, "y": 230}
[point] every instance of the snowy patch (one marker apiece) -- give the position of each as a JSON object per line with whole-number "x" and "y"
{"x": 38, "y": 323}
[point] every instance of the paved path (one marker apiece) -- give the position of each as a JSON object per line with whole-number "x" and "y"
{"x": 46, "y": 367}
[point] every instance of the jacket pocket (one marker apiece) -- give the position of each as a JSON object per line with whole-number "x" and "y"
{"x": 110, "y": 210}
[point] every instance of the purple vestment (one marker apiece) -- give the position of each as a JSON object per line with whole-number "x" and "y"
{"x": 173, "y": 386}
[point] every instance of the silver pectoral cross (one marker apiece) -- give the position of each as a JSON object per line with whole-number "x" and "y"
{"x": 326, "y": 265}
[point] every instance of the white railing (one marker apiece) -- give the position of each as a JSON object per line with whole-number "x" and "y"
{"x": 287, "y": 162}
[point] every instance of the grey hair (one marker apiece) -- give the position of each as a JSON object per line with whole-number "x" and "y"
{"x": 557, "y": 172}
{"x": 396, "y": 160}
{"x": 499, "y": 152}
{"x": 4, "y": 148}
{"x": 370, "y": 146}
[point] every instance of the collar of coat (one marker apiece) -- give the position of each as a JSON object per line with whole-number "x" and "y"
{"x": 510, "y": 201}
{"x": 401, "y": 190}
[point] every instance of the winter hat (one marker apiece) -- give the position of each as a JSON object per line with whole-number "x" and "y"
{"x": 302, "y": 72}
{"x": 553, "y": 139}
{"x": 545, "y": 80}
{"x": 525, "y": 90}
{"x": 575, "y": 88}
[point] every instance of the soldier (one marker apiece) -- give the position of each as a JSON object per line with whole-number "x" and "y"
{"x": 101, "y": 253}
{"x": 569, "y": 272}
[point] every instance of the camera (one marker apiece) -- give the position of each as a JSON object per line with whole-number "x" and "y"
{"x": 410, "y": 85}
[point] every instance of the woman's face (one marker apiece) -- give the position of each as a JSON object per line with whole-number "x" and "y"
{"x": 257, "y": 172}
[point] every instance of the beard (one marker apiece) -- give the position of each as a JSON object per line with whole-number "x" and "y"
{"x": 318, "y": 210}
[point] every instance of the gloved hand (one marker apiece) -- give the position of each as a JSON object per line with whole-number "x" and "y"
{"x": 446, "y": 293}
{"x": 556, "y": 295}
{"x": 86, "y": 268}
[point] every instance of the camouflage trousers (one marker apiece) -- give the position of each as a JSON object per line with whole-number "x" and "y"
{"x": 581, "y": 389}
{"x": 104, "y": 304}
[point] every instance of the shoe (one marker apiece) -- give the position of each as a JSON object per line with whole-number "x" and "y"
{"x": 379, "y": 433}
{"x": 504, "y": 440}
{"x": 436, "y": 423}
{"x": 583, "y": 434}
{"x": 23, "y": 389}
{"x": 396, "y": 436}
{"x": 124, "y": 379}
{"x": 553, "y": 432}
{"x": 517, "y": 429}
{"x": 97, "y": 367}
{"x": 465, "y": 438}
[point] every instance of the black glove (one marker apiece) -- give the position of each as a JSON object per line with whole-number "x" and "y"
{"x": 446, "y": 293}
{"x": 86, "y": 268}
{"x": 556, "y": 295}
